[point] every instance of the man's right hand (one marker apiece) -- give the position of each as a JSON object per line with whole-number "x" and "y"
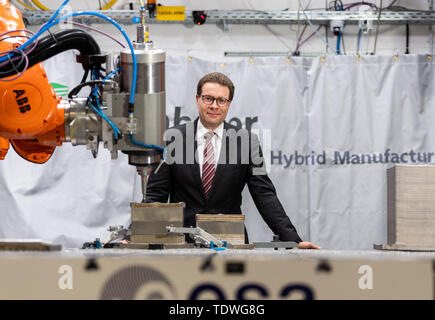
{"x": 307, "y": 245}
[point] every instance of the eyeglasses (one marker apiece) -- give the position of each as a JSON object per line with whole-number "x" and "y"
{"x": 208, "y": 100}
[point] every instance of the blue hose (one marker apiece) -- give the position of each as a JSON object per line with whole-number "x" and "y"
{"x": 33, "y": 38}
{"x": 110, "y": 74}
{"x": 338, "y": 43}
{"x": 82, "y": 13}
{"x": 52, "y": 22}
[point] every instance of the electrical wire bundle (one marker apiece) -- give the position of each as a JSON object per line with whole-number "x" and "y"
{"x": 95, "y": 97}
{"x": 43, "y": 49}
{"x": 300, "y": 43}
{"x": 20, "y": 63}
{"x": 7, "y": 56}
{"x": 338, "y": 5}
{"x": 63, "y": 41}
{"x": 315, "y": 31}
{"x": 18, "y": 60}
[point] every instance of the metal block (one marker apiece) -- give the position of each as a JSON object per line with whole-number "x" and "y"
{"x": 157, "y": 238}
{"x": 226, "y": 227}
{"x": 153, "y": 227}
{"x": 148, "y": 212}
{"x": 149, "y": 222}
{"x": 149, "y": 114}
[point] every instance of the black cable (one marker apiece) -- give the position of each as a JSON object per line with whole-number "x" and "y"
{"x": 12, "y": 61}
{"x": 85, "y": 76}
{"x": 16, "y": 36}
{"x": 16, "y": 67}
{"x": 56, "y": 43}
{"x": 340, "y": 6}
{"x": 391, "y": 4}
{"x": 62, "y": 41}
{"x": 407, "y": 39}
{"x": 79, "y": 87}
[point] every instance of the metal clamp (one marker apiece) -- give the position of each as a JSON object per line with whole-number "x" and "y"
{"x": 200, "y": 236}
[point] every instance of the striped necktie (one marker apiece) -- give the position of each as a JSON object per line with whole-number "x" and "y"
{"x": 208, "y": 166}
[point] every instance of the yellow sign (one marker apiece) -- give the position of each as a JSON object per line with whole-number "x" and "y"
{"x": 171, "y": 13}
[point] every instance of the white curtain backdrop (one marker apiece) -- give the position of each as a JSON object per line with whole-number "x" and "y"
{"x": 327, "y": 119}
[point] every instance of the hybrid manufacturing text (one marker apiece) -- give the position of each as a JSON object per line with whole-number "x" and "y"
{"x": 347, "y": 157}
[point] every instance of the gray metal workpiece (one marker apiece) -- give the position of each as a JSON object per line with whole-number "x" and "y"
{"x": 295, "y": 253}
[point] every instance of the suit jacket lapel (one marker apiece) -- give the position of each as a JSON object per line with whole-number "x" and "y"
{"x": 195, "y": 166}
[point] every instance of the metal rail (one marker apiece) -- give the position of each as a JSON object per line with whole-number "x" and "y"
{"x": 318, "y": 17}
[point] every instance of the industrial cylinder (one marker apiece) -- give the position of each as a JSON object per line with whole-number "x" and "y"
{"x": 150, "y": 102}
{"x": 150, "y": 71}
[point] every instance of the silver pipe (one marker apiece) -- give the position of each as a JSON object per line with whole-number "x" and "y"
{"x": 377, "y": 28}
{"x": 255, "y": 54}
{"x": 144, "y": 173}
{"x": 430, "y": 36}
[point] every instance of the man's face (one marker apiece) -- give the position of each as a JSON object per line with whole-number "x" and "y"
{"x": 213, "y": 115}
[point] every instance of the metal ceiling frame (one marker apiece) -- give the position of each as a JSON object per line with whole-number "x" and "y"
{"x": 226, "y": 17}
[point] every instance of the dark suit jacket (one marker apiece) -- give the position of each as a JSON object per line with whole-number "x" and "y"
{"x": 239, "y": 164}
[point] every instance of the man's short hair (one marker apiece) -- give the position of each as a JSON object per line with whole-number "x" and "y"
{"x": 216, "y": 77}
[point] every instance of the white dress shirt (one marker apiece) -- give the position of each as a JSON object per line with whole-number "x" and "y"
{"x": 216, "y": 140}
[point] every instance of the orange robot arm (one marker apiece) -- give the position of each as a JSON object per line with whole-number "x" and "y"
{"x": 4, "y": 147}
{"x": 29, "y": 115}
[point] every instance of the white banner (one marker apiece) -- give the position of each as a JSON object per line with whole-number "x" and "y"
{"x": 336, "y": 125}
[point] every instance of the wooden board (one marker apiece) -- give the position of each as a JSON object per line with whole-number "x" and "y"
{"x": 411, "y": 205}
{"x": 27, "y": 245}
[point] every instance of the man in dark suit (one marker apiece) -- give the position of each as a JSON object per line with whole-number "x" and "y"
{"x": 209, "y": 162}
